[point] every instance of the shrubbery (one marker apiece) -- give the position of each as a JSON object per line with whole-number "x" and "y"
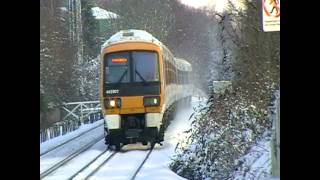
{"x": 221, "y": 133}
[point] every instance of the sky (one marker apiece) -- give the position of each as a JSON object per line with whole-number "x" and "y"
{"x": 217, "y": 4}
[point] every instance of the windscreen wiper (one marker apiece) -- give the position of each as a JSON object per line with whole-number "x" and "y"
{"x": 140, "y": 76}
{"x": 122, "y": 76}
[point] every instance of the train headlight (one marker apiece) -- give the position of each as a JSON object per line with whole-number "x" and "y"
{"x": 151, "y": 101}
{"x": 112, "y": 103}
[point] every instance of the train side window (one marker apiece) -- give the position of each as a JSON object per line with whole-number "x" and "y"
{"x": 163, "y": 68}
{"x": 168, "y": 78}
{"x": 167, "y": 71}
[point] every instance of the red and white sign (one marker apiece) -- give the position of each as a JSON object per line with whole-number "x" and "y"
{"x": 271, "y": 15}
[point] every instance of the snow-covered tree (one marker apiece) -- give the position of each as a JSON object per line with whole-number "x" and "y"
{"x": 225, "y": 129}
{"x": 56, "y": 56}
{"x": 90, "y": 30}
{"x": 153, "y": 16}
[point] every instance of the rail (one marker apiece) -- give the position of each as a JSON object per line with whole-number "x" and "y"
{"x": 69, "y": 157}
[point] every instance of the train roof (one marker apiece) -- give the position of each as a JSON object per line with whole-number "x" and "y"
{"x": 183, "y": 64}
{"x": 131, "y": 35}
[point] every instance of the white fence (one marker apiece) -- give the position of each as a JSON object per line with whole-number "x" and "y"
{"x": 74, "y": 114}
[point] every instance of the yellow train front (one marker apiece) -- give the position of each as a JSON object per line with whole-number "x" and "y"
{"x": 140, "y": 79}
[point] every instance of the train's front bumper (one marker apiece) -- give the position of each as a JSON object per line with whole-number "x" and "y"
{"x": 134, "y": 128}
{"x": 114, "y": 121}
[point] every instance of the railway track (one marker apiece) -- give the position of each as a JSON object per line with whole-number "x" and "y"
{"x": 79, "y": 135}
{"x": 90, "y": 163}
{"x": 68, "y": 158}
{"x": 141, "y": 165}
{"x": 95, "y": 170}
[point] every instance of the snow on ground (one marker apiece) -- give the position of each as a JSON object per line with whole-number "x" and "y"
{"x": 55, "y": 156}
{"x": 79, "y": 161}
{"x": 157, "y": 166}
{"x": 61, "y": 139}
{"x": 122, "y": 166}
{"x": 257, "y": 163}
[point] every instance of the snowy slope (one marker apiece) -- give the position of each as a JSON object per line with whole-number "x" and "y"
{"x": 47, "y": 145}
{"x": 257, "y": 163}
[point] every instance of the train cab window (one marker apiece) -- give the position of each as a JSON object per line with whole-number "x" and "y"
{"x": 146, "y": 67}
{"x": 117, "y": 67}
{"x": 131, "y": 66}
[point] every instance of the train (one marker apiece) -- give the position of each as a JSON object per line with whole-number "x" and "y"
{"x": 140, "y": 79}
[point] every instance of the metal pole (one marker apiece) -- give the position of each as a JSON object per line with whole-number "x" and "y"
{"x": 81, "y": 117}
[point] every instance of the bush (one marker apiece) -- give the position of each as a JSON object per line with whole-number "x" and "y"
{"x": 221, "y": 133}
